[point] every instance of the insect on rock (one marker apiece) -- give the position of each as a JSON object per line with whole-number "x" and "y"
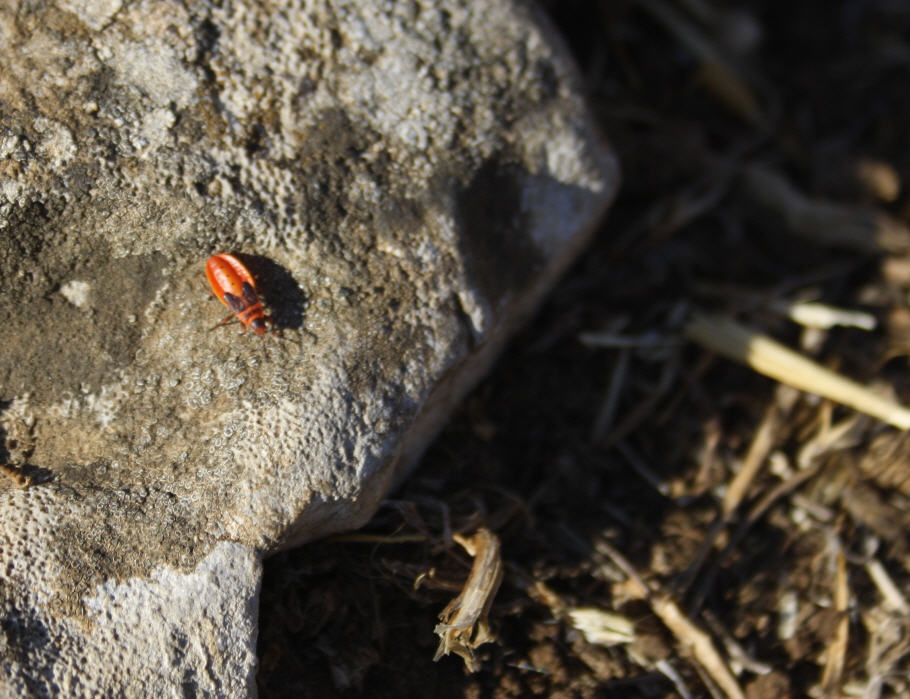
{"x": 233, "y": 284}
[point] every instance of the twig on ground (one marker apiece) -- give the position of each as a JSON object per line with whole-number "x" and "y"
{"x": 690, "y": 637}
{"x": 601, "y": 627}
{"x": 893, "y": 597}
{"x": 857, "y": 228}
{"x": 647, "y": 406}
{"x": 607, "y": 412}
{"x": 889, "y": 645}
{"x": 612, "y": 340}
{"x": 766, "y": 356}
{"x": 812, "y": 314}
{"x": 465, "y": 622}
{"x": 642, "y": 469}
{"x": 665, "y": 667}
{"x": 837, "y": 650}
{"x": 762, "y": 443}
{"x": 718, "y": 75}
{"x": 754, "y": 515}
{"x": 829, "y": 438}
{"x": 734, "y": 650}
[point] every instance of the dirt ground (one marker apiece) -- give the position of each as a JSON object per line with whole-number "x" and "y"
{"x": 671, "y": 523}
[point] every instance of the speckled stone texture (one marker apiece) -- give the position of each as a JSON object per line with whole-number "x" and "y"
{"x": 405, "y": 179}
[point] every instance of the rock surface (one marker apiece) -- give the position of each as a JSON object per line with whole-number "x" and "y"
{"x": 404, "y": 179}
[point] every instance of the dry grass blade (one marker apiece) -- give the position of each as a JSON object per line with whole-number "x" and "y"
{"x": 766, "y": 356}
{"x": 762, "y": 442}
{"x": 737, "y": 654}
{"x": 690, "y": 637}
{"x": 889, "y": 646}
{"x": 894, "y": 598}
{"x": 698, "y": 643}
{"x": 692, "y": 202}
{"x": 885, "y": 462}
{"x": 837, "y": 651}
{"x": 598, "y": 626}
{"x": 756, "y": 513}
{"x": 646, "y": 406}
{"x": 717, "y": 74}
{"x": 819, "y": 315}
{"x": 610, "y": 403}
{"x": 761, "y": 445}
{"x": 666, "y": 668}
{"x": 856, "y": 228}
{"x": 609, "y": 340}
{"x": 601, "y": 627}
{"x": 464, "y": 624}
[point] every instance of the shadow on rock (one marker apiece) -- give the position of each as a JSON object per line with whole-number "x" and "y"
{"x": 278, "y": 290}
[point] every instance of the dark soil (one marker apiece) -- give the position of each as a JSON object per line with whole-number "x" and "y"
{"x": 789, "y": 592}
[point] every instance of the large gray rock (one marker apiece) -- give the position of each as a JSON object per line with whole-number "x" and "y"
{"x": 406, "y": 180}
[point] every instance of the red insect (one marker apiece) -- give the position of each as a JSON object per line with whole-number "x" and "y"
{"x": 232, "y": 283}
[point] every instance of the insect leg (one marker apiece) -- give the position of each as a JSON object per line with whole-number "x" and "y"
{"x": 227, "y": 321}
